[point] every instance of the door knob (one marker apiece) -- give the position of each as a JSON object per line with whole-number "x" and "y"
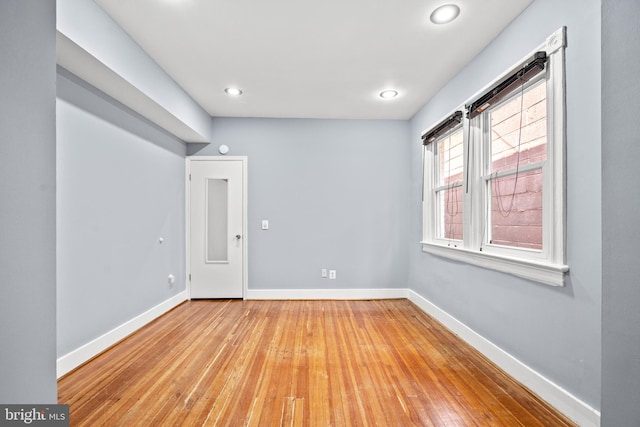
{"x": 238, "y": 236}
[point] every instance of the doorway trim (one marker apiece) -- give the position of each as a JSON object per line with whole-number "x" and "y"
{"x": 245, "y": 235}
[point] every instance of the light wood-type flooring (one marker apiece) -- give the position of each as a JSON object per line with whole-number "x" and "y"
{"x": 297, "y": 363}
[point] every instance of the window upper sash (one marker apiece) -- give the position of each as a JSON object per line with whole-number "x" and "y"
{"x": 441, "y": 128}
{"x": 522, "y": 74}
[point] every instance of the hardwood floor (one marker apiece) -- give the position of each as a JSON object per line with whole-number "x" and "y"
{"x": 297, "y": 363}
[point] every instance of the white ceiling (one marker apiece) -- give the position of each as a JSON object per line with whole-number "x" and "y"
{"x": 311, "y": 58}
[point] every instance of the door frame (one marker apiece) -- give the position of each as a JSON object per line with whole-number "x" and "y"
{"x": 245, "y": 239}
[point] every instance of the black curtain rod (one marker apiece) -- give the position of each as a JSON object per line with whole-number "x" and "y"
{"x": 523, "y": 74}
{"x": 441, "y": 128}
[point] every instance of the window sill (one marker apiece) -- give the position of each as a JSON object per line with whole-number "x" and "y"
{"x": 550, "y": 274}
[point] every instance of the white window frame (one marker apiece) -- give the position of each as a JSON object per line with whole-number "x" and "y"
{"x": 436, "y": 189}
{"x": 546, "y": 266}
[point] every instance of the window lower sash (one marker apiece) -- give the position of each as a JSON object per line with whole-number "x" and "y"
{"x": 521, "y": 169}
{"x": 450, "y": 186}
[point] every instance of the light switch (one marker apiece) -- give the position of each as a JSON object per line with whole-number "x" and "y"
{"x": 265, "y": 224}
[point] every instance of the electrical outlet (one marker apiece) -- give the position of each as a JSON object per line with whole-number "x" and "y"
{"x": 323, "y": 273}
{"x": 332, "y": 274}
{"x": 265, "y": 224}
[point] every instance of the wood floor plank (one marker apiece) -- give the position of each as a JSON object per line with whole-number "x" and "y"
{"x": 297, "y": 363}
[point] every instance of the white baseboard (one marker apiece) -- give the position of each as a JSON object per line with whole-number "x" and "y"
{"x": 556, "y": 396}
{"x": 77, "y": 357}
{"x": 320, "y": 294}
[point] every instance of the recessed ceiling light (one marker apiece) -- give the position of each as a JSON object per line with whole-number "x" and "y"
{"x": 233, "y": 91}
{"x": 387, "y": 94}
{"x": 445, "y": 14}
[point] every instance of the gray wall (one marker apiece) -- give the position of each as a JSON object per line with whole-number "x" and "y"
{"x": 335, "y": 193}
{"x": 620, "y": 207}
{"x": 555, "y": 331}
{"x": 120, "y": 189}
{"x": 27, "y": 210}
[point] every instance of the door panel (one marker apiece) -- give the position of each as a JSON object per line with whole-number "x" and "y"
{"x": 216, "y": 241}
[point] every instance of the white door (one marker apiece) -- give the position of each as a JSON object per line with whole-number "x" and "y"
{"x": 217, "y": 227}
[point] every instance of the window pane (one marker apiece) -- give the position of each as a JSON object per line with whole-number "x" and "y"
{"x": 450, "y": 159}
{"x": 512, "y": 145}
{"x": 449, "y": 213}
{"x": 516, "y": 210}
{"x": 217, "y": 220}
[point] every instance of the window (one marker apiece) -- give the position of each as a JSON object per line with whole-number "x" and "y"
{"x": 494, "y": 180}
{"x": 515, "y": 156}
{"x": 448, "y": 189}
